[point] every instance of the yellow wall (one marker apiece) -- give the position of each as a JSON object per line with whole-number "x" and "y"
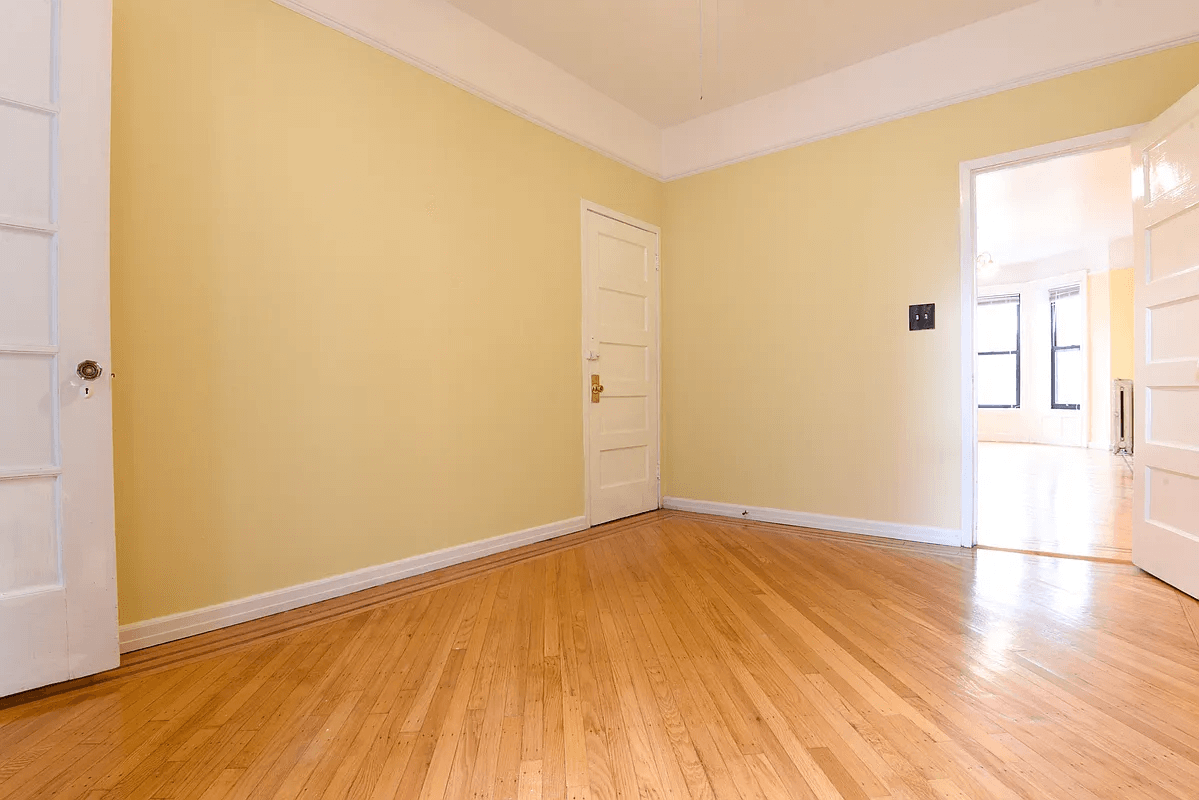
{"x": 346, "y": 306}
{"x": 1122, "y": 321}
{"x": 790, "y": 379}
{"x": 1099, "y": 358}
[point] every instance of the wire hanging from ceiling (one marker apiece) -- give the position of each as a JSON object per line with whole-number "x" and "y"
{"x": 718, "y": 37}
{"x": 701, "y": 49}
{"x": 701, "y": 45}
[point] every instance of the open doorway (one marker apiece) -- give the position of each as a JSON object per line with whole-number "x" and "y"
{"x": 1053, "y": 349}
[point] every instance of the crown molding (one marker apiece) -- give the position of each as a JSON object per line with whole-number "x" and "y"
{"x": 1045, "y": 40}
{"x": 437, "y": 38}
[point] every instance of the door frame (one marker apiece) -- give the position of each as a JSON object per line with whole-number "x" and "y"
{"x": 968, "y": 171}
{"x": 585, "y": 207}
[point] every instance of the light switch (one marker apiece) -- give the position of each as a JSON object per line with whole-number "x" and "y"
{"x": 922, "y": 317}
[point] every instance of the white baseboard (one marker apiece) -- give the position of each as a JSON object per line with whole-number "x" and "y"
{"x": 950, "y": 537}
{"x": 137, "y": 635}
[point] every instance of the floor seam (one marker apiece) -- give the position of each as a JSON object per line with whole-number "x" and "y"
{"x": 220, "y": 641}
{"x": 1049, "y": 554}
{"x": 1183, "y": 599}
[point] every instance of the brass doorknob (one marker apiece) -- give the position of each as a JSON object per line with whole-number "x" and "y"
{"x": 89, "y": 370}
{"x": 597, "y": 388}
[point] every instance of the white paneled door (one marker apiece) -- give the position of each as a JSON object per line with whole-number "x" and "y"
{"x": 57, "y": 563}
{"x": 620, "y": 333}
{"x": 1165, "y": 531}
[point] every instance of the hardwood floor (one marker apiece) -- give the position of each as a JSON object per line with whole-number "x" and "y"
{"x": 670, "y": 656}
{"x": 1064, "y": 500}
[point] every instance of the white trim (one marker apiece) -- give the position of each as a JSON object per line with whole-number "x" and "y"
{"x": 586, "y": 206}
{"x": 603, "y": 211}
{"x": 1044, "y": 40}
{"x": 584, "y": 328}
{"x": 28, "y": 225}
{"x": 29, "y": 472}
{"x": 49, "y": 110}
{"x": 448, "y": 44}
{"x": 801, "y": 519}
{"x": 967, "y": 171}
{"x": 1038, "y": 42}
{"x": 137, "y": 635}
{"x": 30, "y": 349}
{"x": 1004, "y": 438}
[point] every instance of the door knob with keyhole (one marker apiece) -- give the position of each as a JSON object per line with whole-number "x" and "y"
{"x": 597, "y": 388}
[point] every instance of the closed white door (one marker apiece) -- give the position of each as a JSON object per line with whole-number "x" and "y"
{"x": 1165, "y": 531}
{"x": 57, "y": 561}
{"x": 620, "y": 322}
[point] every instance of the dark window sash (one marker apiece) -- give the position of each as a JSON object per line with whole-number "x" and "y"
{"x": 1002, "y": 300}
{"x": 1055, "y": 348}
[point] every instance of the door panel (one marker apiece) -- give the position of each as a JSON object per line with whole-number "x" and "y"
{"x": 26, "y": 287}
{"x": 57, "y": 555}
{"x": 1172, "y": 499}
{"x": 621, "y": 337}
{"x": 1173, "y": 246}
{"x": 1166, "y": 485}
{"x": 1172, "y": 418}
{"x": 1168, "y": 327}
{"x": 33, "y": 614}
{"x": 27, "y": 51}
{"x": 29, "y": 552}
{"x": 25, "y": 163}
{"x": 27, "y": 425}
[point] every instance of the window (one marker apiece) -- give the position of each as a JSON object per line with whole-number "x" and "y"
{"x": 1065, "y": 356}
{"x": 997, "y": 325}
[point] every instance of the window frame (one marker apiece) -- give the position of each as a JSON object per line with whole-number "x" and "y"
{"x": 1055, "y": 294}
{"x": 997, "y": 300}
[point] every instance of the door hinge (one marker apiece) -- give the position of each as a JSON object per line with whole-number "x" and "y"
{"x": 657, "y": 262}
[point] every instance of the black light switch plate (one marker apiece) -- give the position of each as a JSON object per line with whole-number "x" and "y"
{"x": 922, "y": 317}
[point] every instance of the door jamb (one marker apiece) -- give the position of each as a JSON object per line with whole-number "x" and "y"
{"x": 586, "y": 206}
{"x": 968, "y": 171}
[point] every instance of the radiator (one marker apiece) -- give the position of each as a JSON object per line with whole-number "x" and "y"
{"x": 1122, "y": 416}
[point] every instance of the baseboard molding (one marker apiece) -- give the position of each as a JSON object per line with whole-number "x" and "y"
{"x": 138, "y": 635}
{"x": 950, "y": 537}
{"x": 1001, "y": 439}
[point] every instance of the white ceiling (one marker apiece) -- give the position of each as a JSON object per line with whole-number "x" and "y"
{"x": 645, "y": 54}
{"x": 1058, "y": 216}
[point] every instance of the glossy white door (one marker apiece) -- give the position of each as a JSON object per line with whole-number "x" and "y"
{"x": 620, "y": 322}
{"x": 57, "y": 561}
{"x": 1165, "y": 528}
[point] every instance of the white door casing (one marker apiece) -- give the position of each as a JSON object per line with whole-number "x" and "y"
{"x": 58, "y": 615}
{"x": 968, "y": 400}
{"x": 621, "y": 346}
{"x": 1165, "y": 518}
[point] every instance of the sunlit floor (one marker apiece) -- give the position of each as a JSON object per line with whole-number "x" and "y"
{"x": 667, "y": 656}
{"x": 1066, "y": 500}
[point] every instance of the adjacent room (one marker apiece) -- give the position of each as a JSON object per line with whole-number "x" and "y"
{"x": 1053, "y": 331}
{"x": 722, "y": 400}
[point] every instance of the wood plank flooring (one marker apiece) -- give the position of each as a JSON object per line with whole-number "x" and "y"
{"x": 1064, "y": 500}
{"x": 670, "y": 656}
